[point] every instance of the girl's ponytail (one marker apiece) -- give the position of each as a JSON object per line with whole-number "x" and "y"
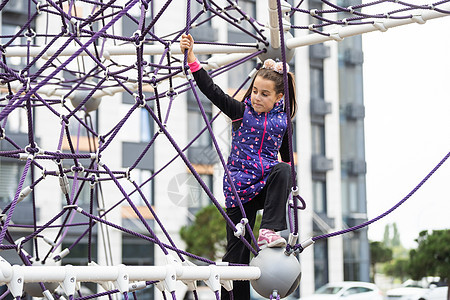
{"x": 292, "y": 94}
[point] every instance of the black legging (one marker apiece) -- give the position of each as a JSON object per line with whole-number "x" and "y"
{"x": 272, "y": 199}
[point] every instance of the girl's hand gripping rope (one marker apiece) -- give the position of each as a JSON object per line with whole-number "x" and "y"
{"x": 187, "y": 43}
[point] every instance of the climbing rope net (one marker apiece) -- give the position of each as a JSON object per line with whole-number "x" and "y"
{"x": 69, "y": 56}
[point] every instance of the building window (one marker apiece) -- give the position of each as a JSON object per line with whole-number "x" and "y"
{"x": 199, "y": 198}
{"x": 201, "y": 152}
{"x": 350, "y": 193}
{"x": 352, "y": 257}
{"x": 147, "y": 126}
{"x": 196, "y": 122}
{"x": 140, "y": 176}
{"x": 320, "y": 263}
{"x": 317, "y": 88}
{"x": 137, "y": 252}
{"x": 320, "y": 197}
{"x": 11, "y": 30}
{"x": 10, "y": 175}
{"x": 17, "y": 122}
{"x": 318, "y": 139}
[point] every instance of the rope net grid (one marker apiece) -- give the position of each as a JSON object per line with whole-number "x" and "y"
{"x": 69, "y": 56}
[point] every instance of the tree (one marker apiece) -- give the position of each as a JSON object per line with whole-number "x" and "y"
{"x": 378, "y": 254}
{"x": 206, "y": 236}
{"x": 397, "y": 268}
{"x": 432, "y": 256}
{"x": 395, "y": 241}
{"x": 391, "y": 237}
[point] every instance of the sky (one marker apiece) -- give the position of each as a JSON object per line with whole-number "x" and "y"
{"x": 407, "y": 126}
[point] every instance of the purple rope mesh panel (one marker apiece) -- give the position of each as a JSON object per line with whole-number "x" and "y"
{"x": 66, "y": 149}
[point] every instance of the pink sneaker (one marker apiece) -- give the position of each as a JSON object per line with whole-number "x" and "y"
{"x": 269, "y": 238}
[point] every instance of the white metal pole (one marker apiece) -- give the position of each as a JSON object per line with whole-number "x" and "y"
{"x": 273, "y": 25}
{"x": 340, "y": 32}
{"x": 135, "y": 273}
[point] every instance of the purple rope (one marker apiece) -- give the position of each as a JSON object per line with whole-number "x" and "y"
{"x": 91, "y": 223}
{"x": 107, "y": 293}
{"x": 135, "y": 209}
{"x": 197, "y": 176}
{"x": 14, "y": 202}
{"x": 288, "y": 112}
{"x": 224, "y": 165}
{"x": 119, "y": 125}
{"x": 7, "y": 110}
{"x": 44, "y": 226}
{"x": 155, "y": 18}
{"x": 86, "y": 99}
{"x": 250, "y": 20}
{"x": 33, "y": 201}
{"x": 194, "y": 293}
{"x": 218, "y": 149}
{"x": 32, "y": 100}
{"x": 173, "y": 159}
{"x": 391, "y": 209}
{"x": 6, "y": 293}
{"x": 242, "y": 29}
{"x": 4, "y": 2}
{"x": 158, "y": 221}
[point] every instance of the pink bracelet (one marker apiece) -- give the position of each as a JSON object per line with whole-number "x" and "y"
{"x": 195, "y": 66}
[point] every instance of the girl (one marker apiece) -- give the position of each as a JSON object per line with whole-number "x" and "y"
{"x": 259, "y": 125}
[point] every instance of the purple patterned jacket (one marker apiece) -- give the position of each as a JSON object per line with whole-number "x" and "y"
{"x": 256, "y": 140}
{"x": 254, "y": 151}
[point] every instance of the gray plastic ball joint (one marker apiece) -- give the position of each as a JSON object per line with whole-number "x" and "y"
{"x": 90, "y": 105}
{"x": 279, "y": 272}
{"x": 275, "y": 54}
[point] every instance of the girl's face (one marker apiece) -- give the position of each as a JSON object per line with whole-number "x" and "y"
{"x": 263, "y": 95}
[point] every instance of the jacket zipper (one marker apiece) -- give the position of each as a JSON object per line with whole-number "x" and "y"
{"x": 262, "y": 141}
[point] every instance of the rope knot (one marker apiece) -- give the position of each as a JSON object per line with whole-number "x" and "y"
{"x": 138, "y": 40}
{"x": 145, "y": 4}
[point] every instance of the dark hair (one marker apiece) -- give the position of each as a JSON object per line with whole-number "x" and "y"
{"x": 277, "y": 78}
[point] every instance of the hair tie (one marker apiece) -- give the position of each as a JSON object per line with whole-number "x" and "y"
{"x": 275, "y": 66}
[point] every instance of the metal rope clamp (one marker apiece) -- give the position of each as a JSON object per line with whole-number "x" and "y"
{"x": 291, "y": 243}
{"x": 240, "y": 228}
{"x": 38, "y": 7}
{"x": 128, "y": 175}
{"x": 2, "y": 133}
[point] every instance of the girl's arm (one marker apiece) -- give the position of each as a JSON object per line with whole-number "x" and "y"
{"x": 231, "y": 107}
